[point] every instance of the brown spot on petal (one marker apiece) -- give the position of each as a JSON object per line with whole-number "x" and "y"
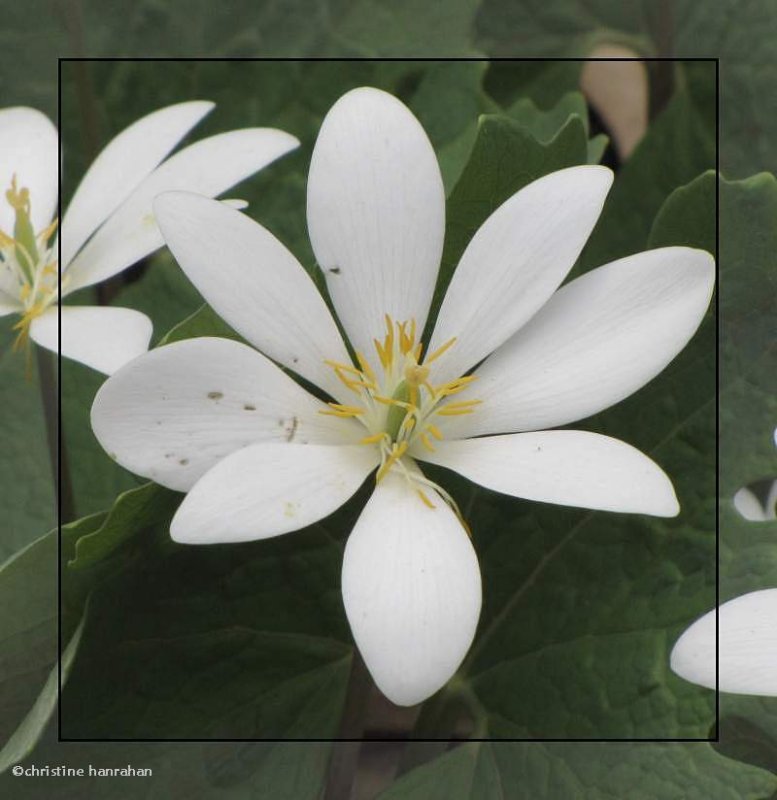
{"x": 215, "y": 395}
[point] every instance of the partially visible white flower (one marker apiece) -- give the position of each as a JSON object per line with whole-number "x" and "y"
{"x": 259, "y": 456}
{"x": 109, "y": 224}
{"x": 747, "y": 646}
{"x": 758, "y": 506}
{"x": 746, "y": 627}
{"x": 755, "y": 508}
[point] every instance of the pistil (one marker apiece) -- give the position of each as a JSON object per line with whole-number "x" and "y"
{"x": 396, "y": 408}
{"x": 28, "y": 259}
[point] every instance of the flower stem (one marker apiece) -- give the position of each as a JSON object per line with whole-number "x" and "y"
{"x": 435, "y": 722}
{"x": 56, "y": 443}
{"x": 344, "y": 760}
{"x": 453, "y": 716}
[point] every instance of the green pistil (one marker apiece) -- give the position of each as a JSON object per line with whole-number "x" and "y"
{"x": 26, "y": 246}
{"x": 396, "y": 415}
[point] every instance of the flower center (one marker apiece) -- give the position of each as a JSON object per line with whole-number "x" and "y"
{"x": 398, "y": 403}
{"x": 28, "y": 266}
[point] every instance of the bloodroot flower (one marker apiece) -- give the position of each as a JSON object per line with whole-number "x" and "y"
{"x": 259, "y": 456}
{"x": 108, "y": 225}
{"x": 745, "y": 631}
{"x": 734, "y": 648}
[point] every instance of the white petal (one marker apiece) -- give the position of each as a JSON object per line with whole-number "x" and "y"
{"x": 597, "y": 340}
{"x": 253, "y": 282}
{"x": 749, "y": 506}
{"x": 208, "y": 167}
{"x": 747, "y": 646}
{"x": 268, "y": 489}
{"x": 411, "y": 588}
{"x": 770, "y": 509}
{"x": 514, "y": 263}
{"x": 29, "y": 149}
{"x": 122, "y": 164}
{"x": 570, "y": 468}
{"x": 103, "y": 338}
{"x": 173, "y": 414}
{"x": 376, "y": 213}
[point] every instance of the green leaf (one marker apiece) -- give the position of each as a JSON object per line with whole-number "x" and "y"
{"x": 505, "y": 157}
{"x": 581, "y": 608}
{"x": 583, "y": 771}
{"x": 596, "y": 148}
{"x": 544, "y": 125}
{"x": 748, "y": 408}
{"x": 203, "y": 322}
{"x": 448, "y": 101}
{"x": 134, "y": 514}
{"x": 740, "y": 35}
{"x": 748, "y": 417}
{"x": 217, "y": 642}
{"x": 27, "y": 500}
{"x": 403, "y": 28}
{"x": 678, "y": 146}
{"x": 748, "y": 379}
{"x": 28, "y": 629}
{"x": 748, "y": 730}
{"x": 29, "y": 610}
{"x": 180, "y": 771}
{"x": 688, "y": 216}
{"x": 29, "y": 731}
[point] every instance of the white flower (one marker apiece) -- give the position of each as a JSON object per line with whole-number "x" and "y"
{"x": 747, "y": 646}
{"x": 259, "y": 456}
{"x": 108, "y": 225}
{"x": 755, "y": 508}
{"x": 746, "y": 628}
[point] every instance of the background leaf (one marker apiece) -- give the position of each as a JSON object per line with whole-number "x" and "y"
{"x": 590, "y": 771}
{"x": 35, "y": 33}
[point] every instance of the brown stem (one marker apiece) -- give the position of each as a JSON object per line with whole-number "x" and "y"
{"x": 344, "y": 760}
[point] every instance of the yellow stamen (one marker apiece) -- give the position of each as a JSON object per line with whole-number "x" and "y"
{"x": 339, "y": 410}
{"x": 365, "y": 366}
{"x": 396, "y": 453}
{"x": 391, "y": 401}
{"x": 455, "y": 386}
{"x": 408, "y": 423}
{"x": 388, "y": 342}
{"x": 426, "y": 501}
{"x": 427, "y": 443}
{"x": 440, "y": 350}
{"x": 343, "y": 367}
{"x": 456, "y": 409}
{"x": 48, "y": 231}
{"x": 383, "y": 355}
{"x": 406, "y": 338}
{"x": 374, "y": 439}
{"x": 435, "y": 431}
{"x": 462, "y": 404}
{"x": 349, "y": 384}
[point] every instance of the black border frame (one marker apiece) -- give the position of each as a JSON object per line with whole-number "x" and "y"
{"x": 396, "y": 739}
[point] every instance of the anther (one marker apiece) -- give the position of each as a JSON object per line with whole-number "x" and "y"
{"x": 440, "y": 350}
